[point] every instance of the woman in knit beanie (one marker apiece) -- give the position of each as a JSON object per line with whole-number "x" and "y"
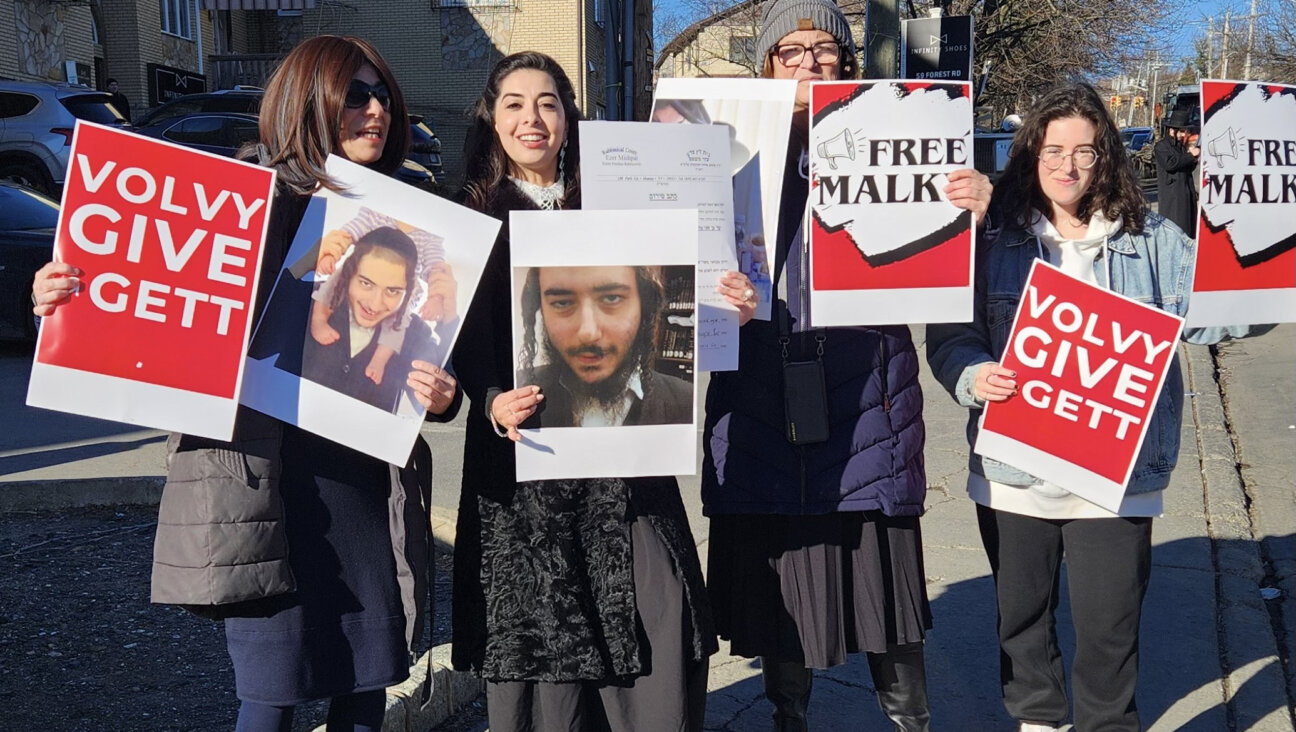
{"x": 815, "y": 549}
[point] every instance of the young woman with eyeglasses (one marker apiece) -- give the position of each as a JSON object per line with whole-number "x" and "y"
{"x": 1068, "y": 196}
{"x": 815, "y": 549}
{"x": 314, "y": 555}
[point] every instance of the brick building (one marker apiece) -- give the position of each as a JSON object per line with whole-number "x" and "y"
{"x": 440, "y": 50}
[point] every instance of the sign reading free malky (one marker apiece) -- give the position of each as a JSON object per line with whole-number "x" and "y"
{"x": 170, "y": 242}
{"x": 1090, "y": 365}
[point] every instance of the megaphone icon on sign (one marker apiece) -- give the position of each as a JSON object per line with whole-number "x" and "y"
{"x": 841, "y": 146}
{"x": 1223, "y": 146}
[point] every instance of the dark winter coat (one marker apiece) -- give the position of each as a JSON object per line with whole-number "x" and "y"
{"x": 502, "y": 629}
{"x": 1176, "y": 192}
{"x": 873, "y": 458}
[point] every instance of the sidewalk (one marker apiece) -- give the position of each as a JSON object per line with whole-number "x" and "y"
{"x": 1210, "y": 658}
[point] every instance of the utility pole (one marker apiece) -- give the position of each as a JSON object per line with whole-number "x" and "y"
{"x": 1224, "y": 59}
{"x": 882, "y": 24}
{"x": 1246, "y": 67}
{"x": 1210, "y": 47}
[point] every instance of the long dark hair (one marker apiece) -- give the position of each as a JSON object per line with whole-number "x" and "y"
{"x": 487, "y": 163}
{"x": 389, "y": 243}
{"x": 652, "y": 299}
{"x": 1114, "y": 189}
{"x": 301, "y": 113}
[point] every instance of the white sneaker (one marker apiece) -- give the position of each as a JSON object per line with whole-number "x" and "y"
{"x": 1032, "y": 727}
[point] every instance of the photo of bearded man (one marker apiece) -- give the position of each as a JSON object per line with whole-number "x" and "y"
{"x": 591, "y": 342}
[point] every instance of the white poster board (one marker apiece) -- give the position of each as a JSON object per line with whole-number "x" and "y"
{"x": 389, "y": 289}
{"x": 583, "y": 320}
{"x": 757, "y": 114}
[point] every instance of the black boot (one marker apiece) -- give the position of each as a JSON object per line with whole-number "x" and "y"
{"x": 787, "y": 686}
{"x": 901, "y": 680}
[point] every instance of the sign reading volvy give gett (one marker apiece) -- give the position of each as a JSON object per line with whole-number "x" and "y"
{"x": 170, "y": 241}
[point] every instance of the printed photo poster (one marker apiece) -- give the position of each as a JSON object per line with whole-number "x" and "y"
{"x": 170, "y": 241}
{"x": 1246, "y": 234}
{"x": 377, "y": 278}
{"x": 1090, "y": 365}
{"x": 657, "y": 167}
{"x": 757, "y": 113}
{"x": 608, "y": 333}
{"x": 886, "y": 246}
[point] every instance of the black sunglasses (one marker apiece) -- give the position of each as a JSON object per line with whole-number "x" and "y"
{"x": 359, "y": 93}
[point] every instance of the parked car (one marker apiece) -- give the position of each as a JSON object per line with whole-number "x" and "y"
{"x": 425, "y": 147}
{"x": 1136, "y": 138}
{"x": 223, "y": 133}
{"x": 36, "y": 123}
{"x": 27, "y": 221}
{"x": 242, "y": 101}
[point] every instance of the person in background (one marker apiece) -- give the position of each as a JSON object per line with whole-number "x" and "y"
{"x": 1069, "y": 196}
{"x": 1176, "y": 156}
{"x": 119, "y": 100}
{"x": 815, "y": 547}
{"x": 313, "y": 554}
{"x": 580, "y": 602}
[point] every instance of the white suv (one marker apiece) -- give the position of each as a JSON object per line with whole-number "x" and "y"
{"x": 36, "y": 122}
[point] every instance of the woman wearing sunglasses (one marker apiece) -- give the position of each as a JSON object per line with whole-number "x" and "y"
{"x": 314, "y": 555}
{"x": 1068, "y": 196}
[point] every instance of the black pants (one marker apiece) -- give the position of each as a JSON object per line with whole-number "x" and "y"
{"x": 1108, "y": 565}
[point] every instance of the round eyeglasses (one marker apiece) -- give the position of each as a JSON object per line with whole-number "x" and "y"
{"x": 791, "y": 54}
{"x": 1083, "y": 157}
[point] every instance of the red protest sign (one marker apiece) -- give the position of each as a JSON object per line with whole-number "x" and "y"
{"x": 170, "y": 243}
{"x": 1246, "y": 234}
{"x": 882, "y": 230}
{"x": 1090, "y": 365}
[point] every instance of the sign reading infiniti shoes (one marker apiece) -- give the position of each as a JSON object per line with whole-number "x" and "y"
{"x": 937, "y": 48}
{"x": 886, "y": 246}
{"x": 1246, "y": 239}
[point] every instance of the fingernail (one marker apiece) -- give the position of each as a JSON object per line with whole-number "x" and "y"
{"x": 539, "y": 397}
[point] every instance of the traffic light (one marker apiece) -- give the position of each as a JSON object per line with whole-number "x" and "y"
{"x": 1116, "y": 100}
{"x": 1138, "y": 102}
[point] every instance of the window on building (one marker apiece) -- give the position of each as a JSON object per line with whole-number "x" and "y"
{"x": 175, "y": 18}
{"x": 742, "y": 50}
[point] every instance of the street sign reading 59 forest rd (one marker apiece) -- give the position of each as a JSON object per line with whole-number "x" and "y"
{"x": 937, "y": 48}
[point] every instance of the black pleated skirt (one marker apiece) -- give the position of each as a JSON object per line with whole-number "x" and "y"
{"x": 817, "y": 588}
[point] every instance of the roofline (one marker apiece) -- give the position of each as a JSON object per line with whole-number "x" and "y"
{"x": 689, "y": 34}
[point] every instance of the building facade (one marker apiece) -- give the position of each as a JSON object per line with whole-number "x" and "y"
{"x": 440, "y": 50}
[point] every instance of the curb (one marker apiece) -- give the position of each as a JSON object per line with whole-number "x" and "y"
{"x": 451, "y": 690}
{"x": 1255, "y": 688}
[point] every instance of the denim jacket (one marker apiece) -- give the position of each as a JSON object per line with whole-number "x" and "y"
{"x": 1154, "y": 267}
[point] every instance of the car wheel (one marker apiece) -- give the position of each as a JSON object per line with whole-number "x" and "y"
{"x": 32, "y": 175}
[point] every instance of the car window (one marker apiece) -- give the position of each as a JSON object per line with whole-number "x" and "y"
{"x": 24, "y": 210}
{"x": 93, "y": 108}
{"x": 174, "y": 110}
{"x": 197, "y": 130}
{"x": 243, "y": 130}
{"x": 13, "y": 104}
{"x": 241, "y": 103}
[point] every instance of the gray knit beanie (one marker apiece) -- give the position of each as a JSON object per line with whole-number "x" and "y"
{"x": 782, "y": 17}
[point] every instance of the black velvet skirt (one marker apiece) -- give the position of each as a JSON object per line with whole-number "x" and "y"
{"x": 817, "y": 588}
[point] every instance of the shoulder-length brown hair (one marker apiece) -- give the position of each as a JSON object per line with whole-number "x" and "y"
{"x": 486, "y": 162}
{"x": 301, "y": 113}
{"x": 1115, "y": 189}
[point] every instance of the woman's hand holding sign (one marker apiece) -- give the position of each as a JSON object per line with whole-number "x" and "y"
{"x": 737, "y": 289}
{"x": 54, "y": 284}
{"x": 433, "y": 387}
{"x": 969, "y": 189}
{"x": 994, "y": 383}
{"x": 514, "y": 407}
